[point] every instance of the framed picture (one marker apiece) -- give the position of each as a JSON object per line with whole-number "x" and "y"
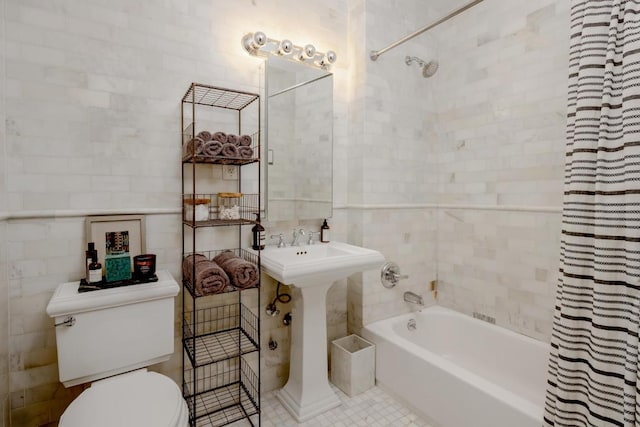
{"x": 116, "y": 235}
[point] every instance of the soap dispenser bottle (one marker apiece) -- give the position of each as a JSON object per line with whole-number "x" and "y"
{"x": 87, "y": 258}
{"x": 95, "y": 268}
{"x": 257, "y": 232}
{"x": 325, "y": 233}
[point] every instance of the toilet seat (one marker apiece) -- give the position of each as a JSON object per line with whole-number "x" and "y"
{"x": 139, "y": 398}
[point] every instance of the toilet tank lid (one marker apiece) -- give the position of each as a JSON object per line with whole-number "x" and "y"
{"x": 67, "y": 300}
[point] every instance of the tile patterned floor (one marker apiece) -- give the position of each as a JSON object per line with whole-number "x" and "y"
{"x": 373, "y": 408}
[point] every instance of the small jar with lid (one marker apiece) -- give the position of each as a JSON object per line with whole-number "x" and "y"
{"x": 229, "y": 206}
{"x": 196, "y": 208}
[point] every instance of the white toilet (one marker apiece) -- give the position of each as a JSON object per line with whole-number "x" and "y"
{"x": 108, "y": 337}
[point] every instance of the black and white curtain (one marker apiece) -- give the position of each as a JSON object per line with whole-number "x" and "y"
{"x": 593, "y": 367}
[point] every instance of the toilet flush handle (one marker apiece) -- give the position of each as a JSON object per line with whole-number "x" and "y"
{"x": 69, "y": 321}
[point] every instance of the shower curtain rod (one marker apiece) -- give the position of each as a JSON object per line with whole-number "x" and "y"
{"x": 375, "y": 54}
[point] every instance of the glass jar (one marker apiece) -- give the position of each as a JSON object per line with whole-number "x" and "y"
{"x": 196, "y": 209}
{"x": 229, "y": 206}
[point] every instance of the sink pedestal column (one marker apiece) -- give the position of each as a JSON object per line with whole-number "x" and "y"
{"x": 307, "y": 392}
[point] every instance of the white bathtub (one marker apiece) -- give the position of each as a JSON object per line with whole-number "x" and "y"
{"x": 457, "y": 371}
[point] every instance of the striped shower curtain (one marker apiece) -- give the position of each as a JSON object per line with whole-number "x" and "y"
{"x": 593, "y": 366}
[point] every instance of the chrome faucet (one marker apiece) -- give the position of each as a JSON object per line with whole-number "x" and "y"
{"x": 413, "y": 298}
{"x": 280, "y": 241}
{"x": 296, "y": 235}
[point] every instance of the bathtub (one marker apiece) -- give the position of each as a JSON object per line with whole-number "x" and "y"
{"x": 457, "y": 371}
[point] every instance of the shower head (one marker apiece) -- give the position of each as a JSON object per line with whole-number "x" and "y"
{"x": 428, "y": 68}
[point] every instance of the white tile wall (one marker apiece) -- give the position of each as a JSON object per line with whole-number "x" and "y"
{"x": 407, "y": 237}
{"x": 500, "y": 125}
{"x": 501, "y": 91}
{"x": 4, "y": 327}
{"x": 4, "y": 289}
{"x": 487, "y": 129}
{"x": 41, "y": 254}
{"x": 391, "y": 156}
{"x": 502, "y": 264}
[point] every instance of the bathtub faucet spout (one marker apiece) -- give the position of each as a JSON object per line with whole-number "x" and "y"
{"x": 413, "y": 298}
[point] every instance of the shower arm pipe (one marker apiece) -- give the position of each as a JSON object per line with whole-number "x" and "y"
{"x": 375, "y": 54}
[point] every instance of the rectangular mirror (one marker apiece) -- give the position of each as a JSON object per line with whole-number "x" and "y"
{"x": 298, "y": 154}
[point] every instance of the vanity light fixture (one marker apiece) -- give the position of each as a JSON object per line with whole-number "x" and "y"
{"x": 259, "y": 44}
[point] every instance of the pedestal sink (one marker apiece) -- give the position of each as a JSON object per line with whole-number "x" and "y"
{"x": 313, "y": 269}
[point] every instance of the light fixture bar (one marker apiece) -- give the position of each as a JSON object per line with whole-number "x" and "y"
{"x": 259, "y": 44}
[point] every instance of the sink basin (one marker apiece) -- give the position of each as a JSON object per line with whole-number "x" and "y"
{"x": 307, "y": 265}
{"x": 312, "y": 269}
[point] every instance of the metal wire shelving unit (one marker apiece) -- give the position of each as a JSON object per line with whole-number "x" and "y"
{"x": 220, "y": 332}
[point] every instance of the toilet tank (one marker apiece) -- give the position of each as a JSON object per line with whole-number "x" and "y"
{"x": 114, "y": 330}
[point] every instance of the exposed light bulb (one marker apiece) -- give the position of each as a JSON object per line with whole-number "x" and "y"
{"x": 286, "y": 47}
{"x": 328, "y": 59}
{"x": 331, "y": 56}
{"x": 259, "y": 39}
{"x": 309, "y": 51}
{"x": 306, "y": 52}
{"x": 253, "y": 42}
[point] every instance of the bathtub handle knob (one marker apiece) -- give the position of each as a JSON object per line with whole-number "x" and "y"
{"x": 390, "y": 275}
